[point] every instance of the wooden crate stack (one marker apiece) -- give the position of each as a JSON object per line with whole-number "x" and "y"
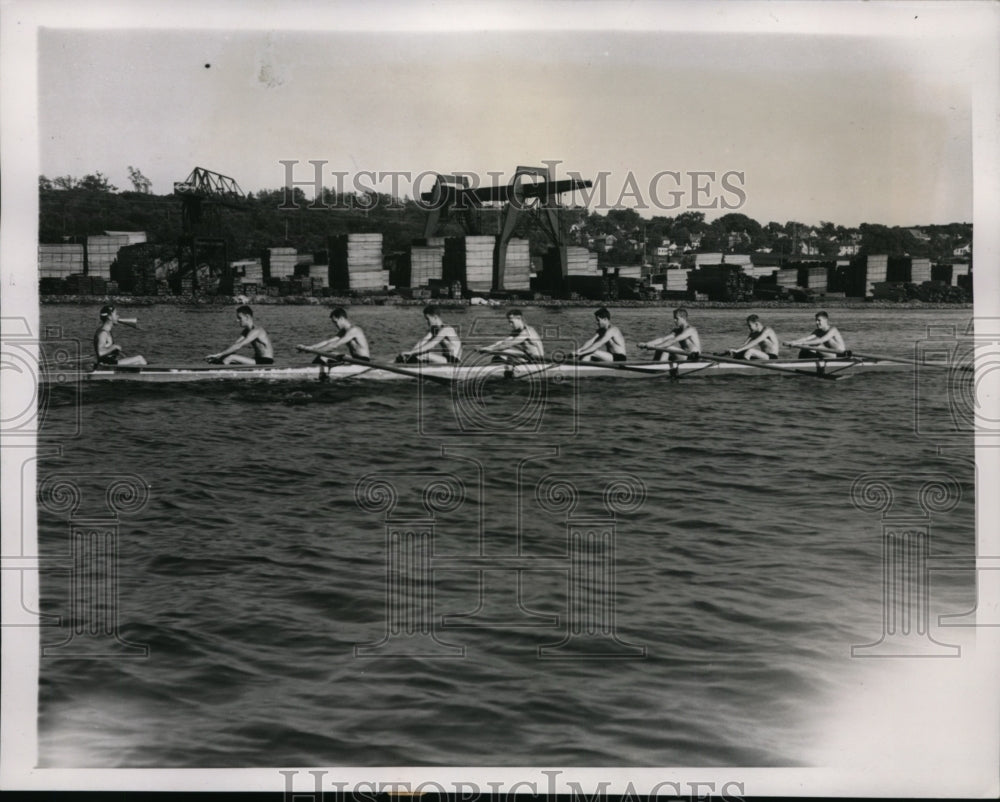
{"x": 59, "y": 261}
{"x": 78, "y": 284}
{"x": 279, "y": 263}
{"x": 876, "y": 271}
{"x": 677, "y": 279}
{"x": 626, "y": 271}
{"x": 470, "y": 261}
{"x": 356, "y": 262}
{"x": 920, "y": 271}
{"x": 101, "y": 252}
{"x": 517, "y": 269}
{"x": 426, "y": 264}
{"x": 581, "y": 262}
{"x": 815, "y": 278}
{"x": 705, "y": 259}
{"x": 788, "y": 277}
{"x": 721, "y": 283}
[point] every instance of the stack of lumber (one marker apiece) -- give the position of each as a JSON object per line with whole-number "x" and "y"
{"x": 60, "y": 261}
{"x": 101, "y": 252}
{"x": 356, "y": 262}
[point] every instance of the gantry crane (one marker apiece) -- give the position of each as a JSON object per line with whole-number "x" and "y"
{"x": 451, "y": 196}
{"x": 200, "y": 191}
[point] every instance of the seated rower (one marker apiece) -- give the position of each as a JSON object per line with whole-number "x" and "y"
{"x": 347, "y": 334}
{"x": 682, "y": 344}
{"x": 824, "y": 337}
{"x": 107, "y": 351}
{"x": 441, "y": 344}
{"x": 607, "y": 345}
{"x": 252, "y": 335}
{"x": 523, "y": 341}
{"x": 761, "y": 342}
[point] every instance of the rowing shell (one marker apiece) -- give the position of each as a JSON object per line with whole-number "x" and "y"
{"x": 306, "y": 373}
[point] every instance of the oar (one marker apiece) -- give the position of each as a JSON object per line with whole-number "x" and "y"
{"x": 71, "y": 361}
{"x": 518, "y": 360}
{"x": 648, "y": 370}
{"x": 876, "y": 357}
{"x": 759, "y": 363}
{"x": 853, "y": 354}
{"x": 413, "y": 374}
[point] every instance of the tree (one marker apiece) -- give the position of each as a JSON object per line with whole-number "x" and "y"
{"x": 626, "y": 219}
{"x": 97, "y": 182}
{"x": 692, "y": 221}
{"x": 739, "y": 223}
{"x": 829, "y": 248}
{"x": 64, "y": 182}
{"x": 139, "y": 181}
{"x": 44, "y": 184}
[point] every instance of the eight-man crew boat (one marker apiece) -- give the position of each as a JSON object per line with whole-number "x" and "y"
{"x": 708, "y": 366}
{"x": 437, "y": 357}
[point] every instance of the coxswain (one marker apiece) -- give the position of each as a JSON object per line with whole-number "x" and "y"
{"x": 440, "y": 345}
{"x": 523, "y": 342}
{"x": 682, "y": 344}
{"x": 824, "y": 337}
{"x": 761, "y": 342}
{"x": 252, "y": 335}
{"x": 107, "y": 351}
{"x": 348, "y": 334}
{"x": 607, "y": 344}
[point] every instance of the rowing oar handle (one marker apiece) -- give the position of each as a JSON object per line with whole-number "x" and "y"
{"x": 812, "y": 348}
{"x": 667, "y": 349}
{"x": 413, "y": 374}
{"x": 327, "y": 354}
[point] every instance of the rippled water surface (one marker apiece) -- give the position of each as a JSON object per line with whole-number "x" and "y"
{"x": 282, "y": 622}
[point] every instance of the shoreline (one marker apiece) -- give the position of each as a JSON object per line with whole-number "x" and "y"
{"x": 225, "y": 302}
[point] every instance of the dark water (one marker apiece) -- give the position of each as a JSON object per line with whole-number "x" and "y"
{"x": 742, "y": 573}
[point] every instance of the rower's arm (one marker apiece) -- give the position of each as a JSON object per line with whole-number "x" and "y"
{"x": 507, "y": 342}
{"x": 419, "y": 346}
{"x": 245, "y": 340}
{"x": 426, "y": 344}
{"x": 669, "y": 339}
{"x": 595, "y": 342}
{"x": 832, "y": 334}
{"x": 327, "y": 345}
{"x": 750, "y": 343}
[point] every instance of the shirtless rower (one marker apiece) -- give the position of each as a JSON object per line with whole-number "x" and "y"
{"x": 523, "y": 341}
{"x": 439, "y": 345}
{"x": 107, "y": 351}
{"x": 761, "y": 342}
{"x": 347, "y": 334}
{"x": 607, "y": 345}
{"x": 684, "y": 337}
{"x": 825, "y": 336}
{"x": 252, "y": 335}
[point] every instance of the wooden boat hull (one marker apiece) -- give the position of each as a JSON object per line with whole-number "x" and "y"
{"x": 488, "y": 371}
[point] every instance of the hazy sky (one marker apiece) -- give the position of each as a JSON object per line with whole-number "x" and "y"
{"x": 849, "y": 129}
